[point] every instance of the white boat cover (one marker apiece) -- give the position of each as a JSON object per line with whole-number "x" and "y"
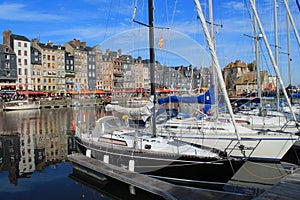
{"x": 133, "y": 113}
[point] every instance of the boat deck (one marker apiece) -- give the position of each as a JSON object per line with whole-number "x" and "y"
{"x": 151, "y": 185}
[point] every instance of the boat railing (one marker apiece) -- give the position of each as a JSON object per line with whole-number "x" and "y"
{"x": 235, "y": 145}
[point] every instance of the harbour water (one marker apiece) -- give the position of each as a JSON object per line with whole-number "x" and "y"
{"x": 34, "y": 146}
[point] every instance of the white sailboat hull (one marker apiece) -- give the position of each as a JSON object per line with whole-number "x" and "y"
{"x": 20, "y": 105}
{"x": 273, "y": 123}
{"x": 258, "y": 145}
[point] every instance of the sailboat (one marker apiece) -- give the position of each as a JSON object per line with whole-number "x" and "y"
{"x": 143, "y": 150}
{"x": 229, "y": 136}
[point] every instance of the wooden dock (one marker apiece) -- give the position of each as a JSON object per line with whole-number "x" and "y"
{"x": 46, "y": 104}
{"x": 154, "y": 186}
{"x": 287, "y": 188}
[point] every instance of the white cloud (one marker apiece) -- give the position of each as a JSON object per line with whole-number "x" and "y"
{"x": 19, "y": 12}
{"x": 234, "y": 5}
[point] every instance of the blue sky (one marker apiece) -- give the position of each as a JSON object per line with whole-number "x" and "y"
{"x": 109, "y": 24}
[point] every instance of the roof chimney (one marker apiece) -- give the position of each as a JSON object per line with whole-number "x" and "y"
{"x": 83, "y": 44}
{"x": 6, "y": 37}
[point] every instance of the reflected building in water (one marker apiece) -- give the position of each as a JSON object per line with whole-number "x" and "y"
{"x": 10, "y": 156}
{"x": 35, "y": 139}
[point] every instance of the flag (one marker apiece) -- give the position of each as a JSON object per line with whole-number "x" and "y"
{"x": 161, "y": 42}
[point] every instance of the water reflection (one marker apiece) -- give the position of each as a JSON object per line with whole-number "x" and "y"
{"x": 31, "y": 140}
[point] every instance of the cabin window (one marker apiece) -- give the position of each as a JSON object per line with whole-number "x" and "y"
{"x": 147, "y": 146}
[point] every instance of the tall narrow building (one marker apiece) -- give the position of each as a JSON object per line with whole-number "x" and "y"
{"x": 53, "y": 66}
{"x": 21, "y": 46}
{"x": 8, "y": 68}
{"x": 77, "y": 49}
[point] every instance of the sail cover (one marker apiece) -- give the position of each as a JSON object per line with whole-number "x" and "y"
{"x": 206, "y": 98}
{"x": 133, "y": 113}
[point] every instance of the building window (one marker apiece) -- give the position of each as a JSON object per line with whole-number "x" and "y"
{"x": 19, "y": 44}
{"x": 19, "y": 52}
{"x": 20, "y": 71}
{"x": 25, "y": 61}
{"x": 7, "y": 65}
{"x": 25, "y": 52}
{"x": 25, "y": 44}
{"x": 48, "y": 57}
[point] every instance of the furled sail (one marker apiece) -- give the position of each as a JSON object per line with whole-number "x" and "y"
{"x": 206, "y": 98}
{"x": 133, "y": 113}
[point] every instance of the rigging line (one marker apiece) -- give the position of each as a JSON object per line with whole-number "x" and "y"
{"x": 298, "y": 5}
{"x": 263, "y": 54}
{"x": 172, "y": 23}
{"x": 167, "y": 13}
{"x": 132, "y": 25}
{"x": 167, "y": 17}
{"x": 106, "y": 25}
{"x": 118, "y": 15}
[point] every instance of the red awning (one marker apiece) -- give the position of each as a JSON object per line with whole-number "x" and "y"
{"x": 100, "y": 92}
{"x": 140, "y": 90}
{"x": 29, "y": 92}
{"x": 163, "y": 90}
{"x": 22, "y": 92}
{"x": 72, "y": 92}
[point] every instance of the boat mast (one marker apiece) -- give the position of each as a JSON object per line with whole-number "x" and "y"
{"x": 211, "y": 23}
{"x": 272, "y": 59}
{"x": 152, "y": 64}
{"x": 276, "y": 53}
{"x": 217, "y": 67}
{"x": 292, "y": 20}
{"x": 258, "y": 82}
{"x": 289, "y": 48}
